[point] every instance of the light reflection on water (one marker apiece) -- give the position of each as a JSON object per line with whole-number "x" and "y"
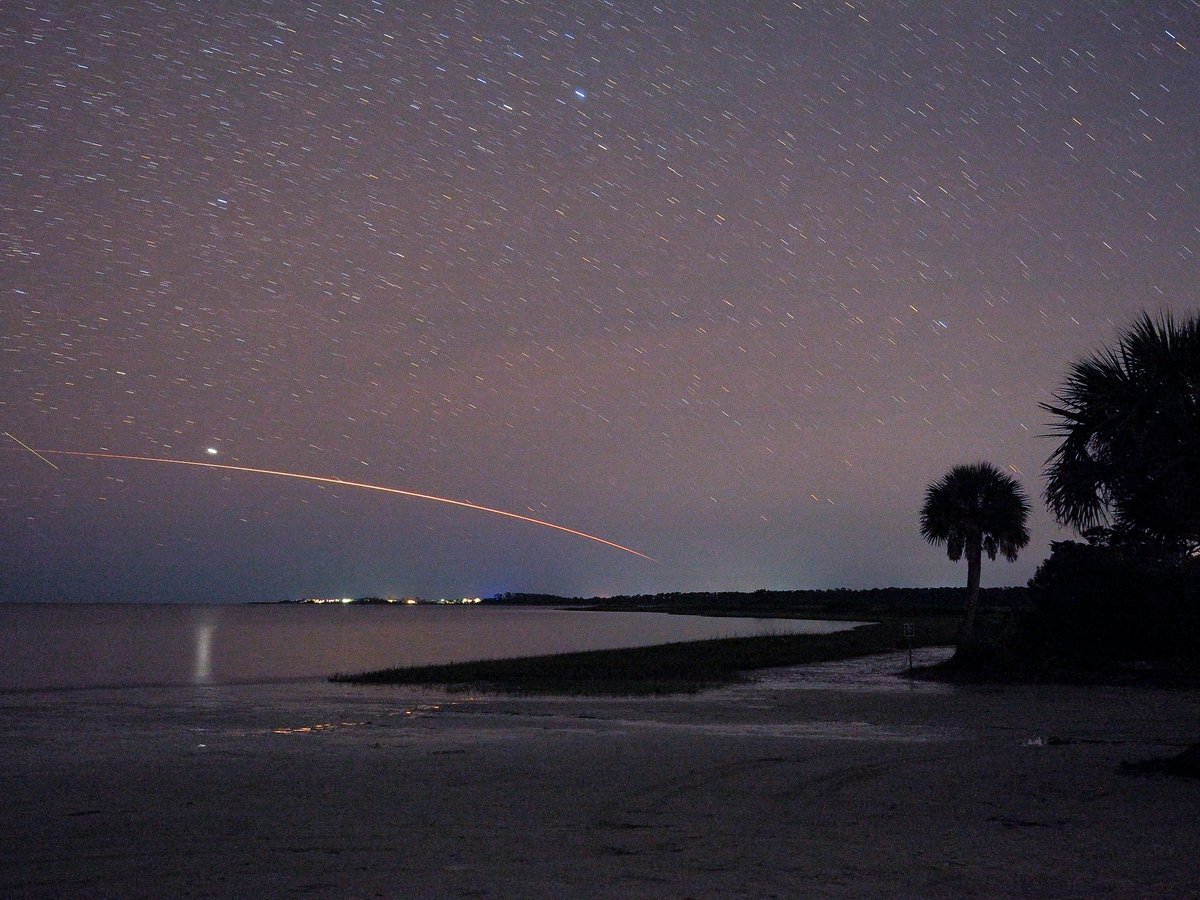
{"x": 418, "y": 711}
{"x": 317, "y": 728}
{"x": 202, "y": 671}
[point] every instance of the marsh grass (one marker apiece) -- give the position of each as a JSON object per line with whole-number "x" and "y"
{"x": 684, "y": 667}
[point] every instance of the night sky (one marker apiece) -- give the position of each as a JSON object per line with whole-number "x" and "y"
{"x": 726, "y": 282}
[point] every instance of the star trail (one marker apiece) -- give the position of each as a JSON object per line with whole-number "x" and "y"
{"x": 728, "y": 282}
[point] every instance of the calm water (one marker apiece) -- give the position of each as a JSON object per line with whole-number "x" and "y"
{"x": 72, "y": 646}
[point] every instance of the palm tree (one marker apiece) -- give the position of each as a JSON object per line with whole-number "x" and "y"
{"x": 974, "y": 508}
{"x": 1129, "y": 420}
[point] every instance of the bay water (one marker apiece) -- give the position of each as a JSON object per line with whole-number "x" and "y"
{"x": 63, "y": 646}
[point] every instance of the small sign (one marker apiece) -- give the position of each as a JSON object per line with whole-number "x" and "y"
{"x": 909, "y": 632}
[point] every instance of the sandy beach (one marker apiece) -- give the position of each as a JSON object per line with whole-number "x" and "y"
{"x": 829, "y": 780}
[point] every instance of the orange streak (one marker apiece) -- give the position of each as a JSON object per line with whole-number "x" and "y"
{"x": 357, "y": 484}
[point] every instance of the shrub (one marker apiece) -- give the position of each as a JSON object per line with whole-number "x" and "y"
{"x": 1097, "y": 603}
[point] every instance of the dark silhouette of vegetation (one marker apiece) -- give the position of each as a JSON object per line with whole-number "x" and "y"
{"x": 1109, "y": 602}
{"x": 1129, "y": 420}
{"x": 1129, "y": 423}
{"x": 835, "y": 603}
{"x": 1129, "y": 456}
{"x": 974, "y": 509}
{"x": 667, "y": 668}
{"x": 1125, "y": 605}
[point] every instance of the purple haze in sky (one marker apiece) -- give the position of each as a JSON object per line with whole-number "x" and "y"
{"x": 725, "y": 282}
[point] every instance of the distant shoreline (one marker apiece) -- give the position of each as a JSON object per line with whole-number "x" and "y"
{"x": 831, "y": 603}
{"x": 827, "y": 603}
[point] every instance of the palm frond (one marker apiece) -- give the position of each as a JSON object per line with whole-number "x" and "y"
{"x": 975, "y": 504}
{"x": 1128, "y": 425}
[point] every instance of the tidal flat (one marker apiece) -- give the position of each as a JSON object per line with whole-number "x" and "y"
{"x": 832, "y": 779}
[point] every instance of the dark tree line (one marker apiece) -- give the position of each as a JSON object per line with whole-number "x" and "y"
{"x": 1126, "y": 476}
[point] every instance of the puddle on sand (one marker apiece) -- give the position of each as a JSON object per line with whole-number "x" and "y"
{"x": 882, "y": 673}
{"x": 815, "y": 730}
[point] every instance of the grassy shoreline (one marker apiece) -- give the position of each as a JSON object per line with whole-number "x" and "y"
{"x": 682, "y": 667}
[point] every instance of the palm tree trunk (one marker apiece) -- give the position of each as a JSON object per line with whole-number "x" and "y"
{"x": 974, "y": 550}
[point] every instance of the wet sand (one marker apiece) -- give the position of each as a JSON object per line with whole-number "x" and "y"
{"x": 831, "y": 780}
